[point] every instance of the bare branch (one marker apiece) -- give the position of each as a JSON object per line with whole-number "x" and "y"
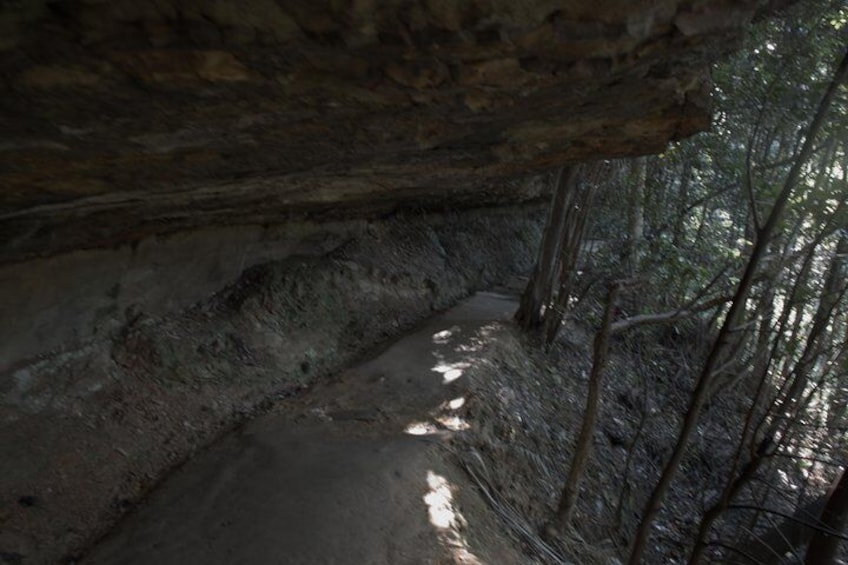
{"x": 829, "y": 462}
{"x": 790, "y": 517}
{"x": 749, "y": 557}
{"x": 665, "y": 317}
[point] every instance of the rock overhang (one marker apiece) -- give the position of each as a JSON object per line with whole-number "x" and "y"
{"x": 125, "y": 119}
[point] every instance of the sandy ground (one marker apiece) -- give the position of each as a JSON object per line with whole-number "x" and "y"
{"x": 352, "y": 471}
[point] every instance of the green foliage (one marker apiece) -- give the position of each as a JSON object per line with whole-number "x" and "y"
{"x": 704, "y": 196}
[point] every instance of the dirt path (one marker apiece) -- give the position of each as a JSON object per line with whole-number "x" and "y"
{"x": 353, "y": 471}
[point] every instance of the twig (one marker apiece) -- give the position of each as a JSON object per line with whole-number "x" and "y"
{"x": 744, "y": 554}
{"x": 789, "y": 517}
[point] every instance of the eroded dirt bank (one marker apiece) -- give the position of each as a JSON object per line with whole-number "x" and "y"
{"x": 89, "y": 431}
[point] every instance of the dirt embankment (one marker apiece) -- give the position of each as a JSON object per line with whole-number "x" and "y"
{"x": 86, "y": 433}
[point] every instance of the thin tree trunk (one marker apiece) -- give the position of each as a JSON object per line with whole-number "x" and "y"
{"x": 831, "y": 292}
{"x": 702, "y": 388}
{"x": 785, "y": 536}
{"x": 635, "y": 214}
{"x": 577, "y": 207}
{"x": 823, "y": 547}
{"x": 538, "y": 289}
{"x": 837, "y": 412}
{"x": 679, "y": 229}
{"x": 834, "y": 288}
{"x": 583, "y": 448}
{"x": 733, "y": 488}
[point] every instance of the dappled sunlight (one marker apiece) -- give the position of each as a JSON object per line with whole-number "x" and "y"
{"x": 421, "y": 428}
{"x": 453, "y": 361}
{"x": 444, "y": 336}
{"x": 450, "y": 371}
{"x": 456, "y": 350}
{"x": 439, "y": 501}
{"x": 456, "y": 403}
{"x": 447, "y": 519}
{"x": 453, "y": 423}
{"x": 441, "y": 421}
{"x": 487, "y": 330}
{"x": 786, "y": 480}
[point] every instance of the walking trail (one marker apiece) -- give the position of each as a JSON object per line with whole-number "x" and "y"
{"x": 355, "y": 470}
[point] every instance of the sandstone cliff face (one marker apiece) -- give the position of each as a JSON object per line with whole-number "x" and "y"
{"x": 124, "y": 119}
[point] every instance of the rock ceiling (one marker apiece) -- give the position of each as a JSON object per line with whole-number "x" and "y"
{"x": 123, "y": 119}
